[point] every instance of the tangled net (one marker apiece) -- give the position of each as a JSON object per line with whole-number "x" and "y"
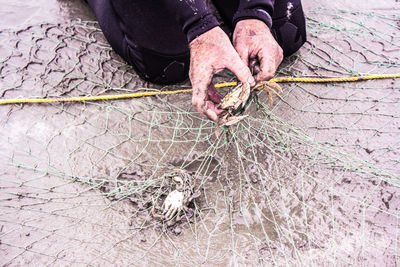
{"x": 313, "y": 180}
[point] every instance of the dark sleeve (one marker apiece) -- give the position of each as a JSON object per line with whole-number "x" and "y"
{"x": 193, "y": 15}
{"x": 255, "y": 9}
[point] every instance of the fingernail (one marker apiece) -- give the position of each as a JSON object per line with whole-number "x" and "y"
{"x": 251, "y": 81}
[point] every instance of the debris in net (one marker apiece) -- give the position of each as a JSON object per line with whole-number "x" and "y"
{"x": 178, "y": 200}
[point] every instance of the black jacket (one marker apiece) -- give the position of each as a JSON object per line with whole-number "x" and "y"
{"x": 195, "y": 18}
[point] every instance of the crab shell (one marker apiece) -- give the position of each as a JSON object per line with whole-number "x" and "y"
{"x": 177, "y": 180}
{"x": 237, "y": 97}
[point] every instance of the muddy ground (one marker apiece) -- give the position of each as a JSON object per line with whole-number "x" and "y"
{"x": 313, "y": 180}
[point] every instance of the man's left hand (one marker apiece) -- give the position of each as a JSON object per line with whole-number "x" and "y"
{"x": 257, "y": 48}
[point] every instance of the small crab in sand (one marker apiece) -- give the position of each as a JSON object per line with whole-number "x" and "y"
{"x": 235, "y": 100}
{"x": 178, "y": 199}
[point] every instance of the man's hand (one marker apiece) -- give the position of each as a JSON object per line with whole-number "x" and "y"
{"x": 210, "y": 53}
{"x": 257, "y": 48}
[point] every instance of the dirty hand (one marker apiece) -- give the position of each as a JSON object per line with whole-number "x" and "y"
{"x": 257, "y": 48}
{"x": 210, "y": 53}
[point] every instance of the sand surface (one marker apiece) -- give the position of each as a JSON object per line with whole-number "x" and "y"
{"x": 317, "y": 183}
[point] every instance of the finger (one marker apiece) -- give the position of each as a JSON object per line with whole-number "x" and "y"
{"x": 200, "y": 82}
{"x": 199, "y": 97}
{"x": 214, "y": 108}
{"x": 166, "y": 208}
{"x": 267, "y": 66}
{"x": 243, "y": 53}
{"x": 279, "y": 56}
{"x": 255, "y": 66}
{"x": 168, "y": 214}
{"x": 172, "y": 213}
{"x": 209, "y": 111}
{"x": 241, "y": 71}
{"x": 253, "y": 62}
{"x": 257, "y": 69}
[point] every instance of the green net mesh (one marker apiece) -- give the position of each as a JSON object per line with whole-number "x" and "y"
{"x": 312, "y": 180}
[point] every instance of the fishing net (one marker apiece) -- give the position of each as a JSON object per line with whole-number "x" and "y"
{"x": 311, "y": 180}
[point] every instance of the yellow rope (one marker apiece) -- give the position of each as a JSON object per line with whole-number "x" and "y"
{"x": 219, "y": 85}
{"x": 337, "y": 79}
{"x": 89, "y": 98}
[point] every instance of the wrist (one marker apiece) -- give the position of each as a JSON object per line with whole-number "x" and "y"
{"x": 205, "y": 37}
{"x": 254, "y": 14}
{"x": 251, "y": 24}
{"x": 201, "y": 26}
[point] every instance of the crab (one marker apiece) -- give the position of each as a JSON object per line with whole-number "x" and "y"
{"x": 235, "y": 101}
{"x": 178, "y": 199}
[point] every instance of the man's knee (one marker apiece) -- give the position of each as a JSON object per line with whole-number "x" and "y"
{"x": 159, "y": 68}
{"x": 289, "y": 27}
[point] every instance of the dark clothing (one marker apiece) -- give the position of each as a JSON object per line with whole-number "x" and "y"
{"x": 153, "y": 36}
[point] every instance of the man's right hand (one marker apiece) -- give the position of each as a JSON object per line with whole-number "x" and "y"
{"x": 211, "y": 53}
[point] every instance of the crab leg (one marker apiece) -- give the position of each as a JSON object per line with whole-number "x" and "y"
{"x": 274, "y": 85}
{"x": 271, "y": 101}
{"x": 269, "y": 87}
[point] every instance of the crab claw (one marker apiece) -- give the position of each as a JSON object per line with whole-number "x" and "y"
{"x": 228, "y": 121}
{"x": 173, "y": 204}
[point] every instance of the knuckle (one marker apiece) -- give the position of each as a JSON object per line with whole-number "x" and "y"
{"x": 280, "y": 50}
{"x": 195, "y": 99}
{"x": 280, "y": 53}
{"x": 195, "y": 102}
{"x": 199, "y": 107}
{"x": 267, "y": 75}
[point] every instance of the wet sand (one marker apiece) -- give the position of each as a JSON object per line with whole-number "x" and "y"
{"x": 286, "y": 200}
